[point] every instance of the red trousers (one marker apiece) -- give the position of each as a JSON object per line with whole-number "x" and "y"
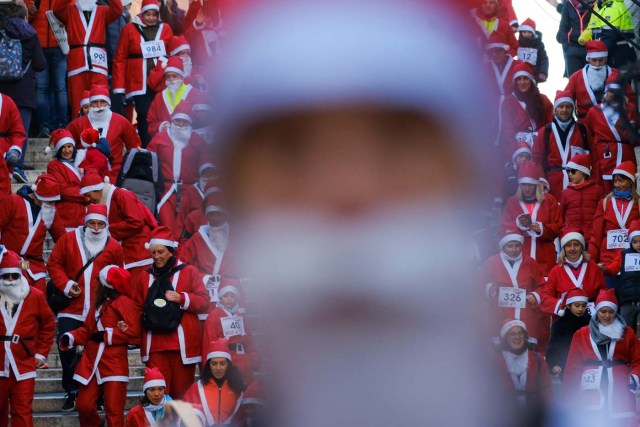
{"x": 16, "y": 397}
{"x": 115, "y": 398}
{"x": 177, "y": 375}
{"x": 81, "y": 82}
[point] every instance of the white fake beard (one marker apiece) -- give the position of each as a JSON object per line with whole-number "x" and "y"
{"x": 48, "y": 213}
{"x": 95, "y": 241}
{"x": 180, "y": 136}
{"x": 13, "y": 292}
{"x": 613, "y": 330}
{"x": 173, "y": 86}
{"x": 87, "y": 5}
{"x": 516, "y": 363}
{"x": 366, "y": 289}
{"x": 596, "y": 77}
{"x": 219, "y": 236}
{"x": 100, "y": 117}
{"x": 187, "y": 64}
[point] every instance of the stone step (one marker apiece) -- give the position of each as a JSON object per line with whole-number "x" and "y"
{"x": 54, "y": 385}
{"x": 52, "y": 402}
{"x": 134, "y": 359}
{"x": 134, "y": 371}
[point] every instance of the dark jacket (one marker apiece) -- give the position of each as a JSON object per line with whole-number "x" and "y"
{"x": 23, "y": 91}
{"x": 573, "y": 22}
{"x": 562, "y": 332}
{"x": 542, "y": 61}
{"x": 629, "y": 289}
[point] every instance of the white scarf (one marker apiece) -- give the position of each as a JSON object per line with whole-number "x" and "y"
{"x": 613, "y": 330}
{"x": 575, "y": 264}
{"x": 95, "y": 241}
{"x": 219, "y": 236}
{"x": 100, "y": 117}
{"x": 13, "y": 292}
{"x": 516, "y": 364}
{"x": 153, "y": 408}
{"x": 564, "y": 125}
{"x": 48, "y": 213}
{"x": 596, "y": 77}
{"x": 87, "y": 5}
{"x": 510, "y": 259}
{"x": 180, "y": 136}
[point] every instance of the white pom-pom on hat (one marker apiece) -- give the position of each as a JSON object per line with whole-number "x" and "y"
{"x": 47, "y": 149}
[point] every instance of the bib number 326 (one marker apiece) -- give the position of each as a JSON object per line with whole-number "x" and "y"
{"x": 512, "y": 298}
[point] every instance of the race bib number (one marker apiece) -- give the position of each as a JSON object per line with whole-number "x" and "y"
{"x": 232, "y": 326}
{"x": 617, "y": 239}
{"x": 512, "y": 298}
{"x": 591, "y": 307}
{"x": 590, "y": 380}
{"x": 578, "y": 150}
{"x": 525, "y": 137}
{"x": 153, "y": 49}
{"x": 528, "y": 54}
{"x": 59, "y": 32}
{"x": 632, "y": 262}
{"x": 98, "y": 56}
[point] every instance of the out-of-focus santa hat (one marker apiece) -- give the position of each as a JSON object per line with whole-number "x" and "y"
{"x": 218, "y": 348}
{"x": 213, "y": 201}
{"x": 497, "y": 41}
{"x": 58, "y": 139}
{"x": 627, "y": 169}
{"x": 524, "y": 69}
{"x": 204, "y": 166}
{"x": 182, "y": 111}
{"x": 91, "y": 181}
{"x": 529, "y": 173}
{"x": 607, "y": 298}
{"x": 10, "y": 263}
{"x": 116, "y": 278}
{"x": 572, "y": 234}
{"x": 510, "y": 236}
{"x": 522, "y": 147}
{"x": 596, "y": 49}
{"x": 46, "y": 188}
{"x": 153, "y": 378}
{"x": 100, "y": 93}
{"x": 562, "y": 96}
{"x": 97, "y": 212}
{"x": 528, "y": 25}
{"x": 229, "y": 285}
{"x": 612, "y": 83}
{"x": 580, "y": 162}
{"x": 175, "y": 65}
{"x": 86, "y": 98}
{"x": 508, "y": 324}
{"x": 177, "y": 44}
{"x": 161, "y": 236}
{"x": 149, "y": 5}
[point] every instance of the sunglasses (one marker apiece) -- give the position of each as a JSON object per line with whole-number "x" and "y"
{"x": 10, "y": 276}
{"x": 571, "y": 171}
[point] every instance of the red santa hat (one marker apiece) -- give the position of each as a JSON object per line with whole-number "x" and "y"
{"x": 497, "y": 41}
{"x": 524, "y": 69}
{"x": 161, "y": 236}
{"x": 58, "y": 139}
{"x": 572, "y": 234}
{"x": 562, "y": 96}
{"x": 229, "y": 285}
{"x": 98, "y": 212}
{"x": 149, "y": 5}
{"x": 528, "y": 25}
{"x": 153, "y": 378}
{"x": 201, "y": 102}
{"x": 611, "y": 83}
{"x": 46, "y": 188}
{"x": 182, "y": 111}
{"x": 607, "y": 298}
{"x": 89, "y": 137}
{"x": 218, "y": 348}
{"x": 213, "y": 201}
{"x": 10, "y": 263}
{"x": 510, "y": 236}
{"x": 627, "y": 169}
{"x": 116, "y": 278}
{"x": 177, "y": 44}
{"x": 634, "y": 229}
{"x": 522, "y": 147}
{"x": 204, "y": 166}
{"x": 576, "y": 295}
{"x": 100, "y": 92}
{"x": 254, "y": 394}
{"x": 86, "y": 98}
{"x": 580, "y": 162}
{"x": 175, "y": 65}
{"x": 91, "y": 181}
{"x": 529, "y": 173}
{"x": 596, "y": 49}
{"x": 508, "y": 324}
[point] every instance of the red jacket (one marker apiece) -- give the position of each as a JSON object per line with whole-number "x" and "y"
{"x": 106, "y": 360}
{"x": 160, "y": 110}
{"x": 195, "y": 300}
{"x": 219, "y": 411}
{"x": 40, "y": 23}
{"x": 503, "y": 78}
{"x": 563, "y": 278}
{"x": 72, "y": 204}
{"x": 33, "y": 322}
{"x": 83, "y": 57}
{"x": 191, "y": 155}
{"x": 502, "y": 27}
{"x": 65, "y": 262}
{"x": 198, "y": 252}
{"x": 605, "y": 220}
{"x": 582, "y": 93}
{"x": 129, "y": 68}
{"x": 578, "y": 206}
{"x": 537, "y": 388}
{"x": 192, "y": 198}
{"x": 12, "y": 136}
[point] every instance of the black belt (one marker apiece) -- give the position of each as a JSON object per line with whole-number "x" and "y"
{"x": 3, "y": 134}
{"x": 87, "y": 47}
{"x": 135, "y": 56}
{"x": 15, "y": 338}
{"x": 606, "y": 363}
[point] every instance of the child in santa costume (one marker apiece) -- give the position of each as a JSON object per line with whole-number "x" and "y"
{"x": 220, "y": 387}
{"x": 95, "y": 155}
{"x": 601, "y": 375}
{"x": 112, "y": 325}
{"x": 197, "y": 218}
{"x": 12, "y": 137}
{"x": 151, "y": 407}
{"x": 580, "y": 199}
{"x": 193, "y": 195}
{"x": 531, "y": 49}
{"x": 574, "y": 270}
{"x": 536, "y": 214}
{"x": 85, "y": 103}
{"x": 27, "y": 329}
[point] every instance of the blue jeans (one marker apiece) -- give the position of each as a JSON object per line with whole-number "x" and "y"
{"x": 51, "y": 85}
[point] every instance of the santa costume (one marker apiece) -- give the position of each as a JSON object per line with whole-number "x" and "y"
{"x": 176, "y": 46}
{"x": 12, "y": 137}
{"x": 147, "y": 414}
{"x": 94, "y": 155}
{"x": 487, "y": 25}
{"x": 193, "y": 195}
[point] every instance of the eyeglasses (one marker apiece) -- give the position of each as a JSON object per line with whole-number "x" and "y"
{"x": 518, "y": 334}
{"x": 10, "y": 276}
{"x": 572, "y": 171}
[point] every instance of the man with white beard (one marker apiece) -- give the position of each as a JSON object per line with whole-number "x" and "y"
{"x": 27, "y": 328}
{"x": 353, "y": 169}
{"x": 176, "y": 92}
{"x": 86, "y": 25}
{"x": 118, "y": 131}
{"x": 73, "y": 267}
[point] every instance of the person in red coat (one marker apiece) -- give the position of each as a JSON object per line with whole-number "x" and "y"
{"x": 25, "y": 219}
{"x": 176, "y": 353}
{"x": 536, "y": 214}
{"x": 142, "y": 43}
{"x": 72, "y": 204}
{"x": 12, "y": 137}
{"x": 165, "y": 103}
{"x": 574, "y": 270}
{"x": 610, "y": 138}
{"x": 579, "y": 200}
{"x": 205, "y": 31}
{"x": 603, "y": 366}
{"x": 514, "y": 287}
{"x": 557, "y": 142}
{"x": 179, "y": 148}
{"x": 114, "y": 323}
{"x": 226, "y": 321}
{"x": 73, "y": 267}
{"x": 613, "y": 215}
{"x": 86, "y": 25}
{"x": 130, "y": 221}
{"x": 193, "y": 195}
{"x": 486, "y": 17}
{"x": 112, "y": 126}
{"x": 219, "y": 391}
{"x": 27, "y": 328}
{"x": 151, "y": 408}
{"x": 527, "y": 376}
{"x": 94, "y": 155}
{"x": 176, "y": 46}
{"x": 501, "y": 63}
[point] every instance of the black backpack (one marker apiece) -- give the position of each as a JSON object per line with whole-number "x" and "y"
{"x": 141, "y": 175}
{"x": 158, "y": 314}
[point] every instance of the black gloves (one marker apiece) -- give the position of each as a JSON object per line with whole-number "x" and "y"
{"x": 98, "y": 336}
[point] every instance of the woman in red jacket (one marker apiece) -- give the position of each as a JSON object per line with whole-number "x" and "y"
{"x": 104, "y": 368}
{"x": 580, "y": 199}
{"x": 151, "y": 407}
{"x": 613, "y": 215}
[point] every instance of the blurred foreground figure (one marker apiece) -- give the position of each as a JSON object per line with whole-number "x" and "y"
{"x": 352, "y": 143}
